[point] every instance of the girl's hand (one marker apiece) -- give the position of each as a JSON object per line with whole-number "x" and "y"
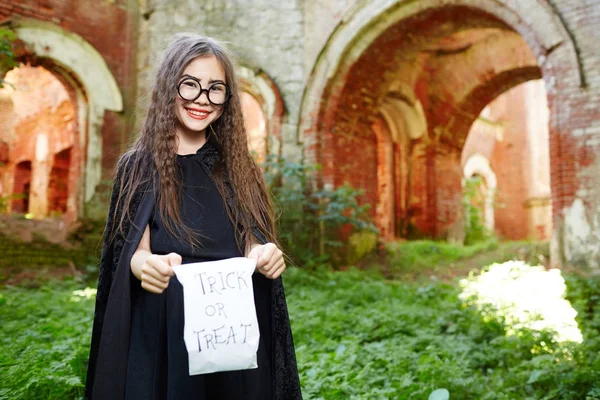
{"x": 157, "y": 270}
{"x": 269, "y": 259}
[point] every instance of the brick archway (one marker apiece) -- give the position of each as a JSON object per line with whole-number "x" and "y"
{"x": 76, "y": 62}
{"x": 476, "y": 99}
{"x": 40, "y": 121}
{"x": 335, "y": 85}
{"x": 478, "y": 164}
{"x": 545, "y": 34}
{"x": 264, "y": 90}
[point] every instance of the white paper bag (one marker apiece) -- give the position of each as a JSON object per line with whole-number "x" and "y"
{"x": 221, "y": 329}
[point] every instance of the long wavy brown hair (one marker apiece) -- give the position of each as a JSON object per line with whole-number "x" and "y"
{"x": 153, "y": 154}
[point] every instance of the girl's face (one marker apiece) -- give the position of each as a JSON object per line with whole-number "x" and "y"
{"x": 200, "y": 74}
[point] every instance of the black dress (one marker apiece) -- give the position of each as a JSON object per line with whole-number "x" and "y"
{"x": 157, "y": 366}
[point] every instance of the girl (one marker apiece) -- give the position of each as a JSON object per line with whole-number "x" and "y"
{"x": 187, "y": 191}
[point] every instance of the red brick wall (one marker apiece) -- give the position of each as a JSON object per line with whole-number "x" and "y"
{"x": 58, "y": 187}
{"x": 509, "y": 163}
{"x": 400, "y": 171}
{"x": 575, "y": 128}
{"x": 384, "y": 203}
{"x": 21, "y": 187}
{"x": 3, "y": 153}
{"x": 356, "y": 165}
{"x": 435, "y": 189}
{"x": 447, "y": 189}
{"x": 419, "y": 209}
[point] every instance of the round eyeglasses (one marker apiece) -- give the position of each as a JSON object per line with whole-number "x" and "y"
{"x": 190, "y": 89}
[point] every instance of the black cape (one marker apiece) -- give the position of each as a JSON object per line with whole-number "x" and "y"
{"x": 107, "y": 368}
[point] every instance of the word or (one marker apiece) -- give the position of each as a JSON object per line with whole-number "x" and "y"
{"x": 211, "y": 310}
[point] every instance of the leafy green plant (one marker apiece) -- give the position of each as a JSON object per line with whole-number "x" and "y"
{"x": 7, "y": 62}
{"x": 7, "y": 56}
{"x": 473, "y": 204}
{"x": 313, "y": 223}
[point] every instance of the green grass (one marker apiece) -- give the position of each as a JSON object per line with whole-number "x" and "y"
{"x": 423, "y": 258}
{"x": 357, "y": 337}
{"x": 44, "y": 340}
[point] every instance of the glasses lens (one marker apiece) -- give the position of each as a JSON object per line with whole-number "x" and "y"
{"x": 189, "y": 89}
{"x": 217, "y": 93}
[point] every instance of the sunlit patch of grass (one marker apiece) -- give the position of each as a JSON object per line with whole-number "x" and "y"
{"x": 523, "y": 296}
{"x": 84, "y": 294}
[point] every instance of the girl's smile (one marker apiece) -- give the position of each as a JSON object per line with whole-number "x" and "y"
{"x": 197, "y": 113}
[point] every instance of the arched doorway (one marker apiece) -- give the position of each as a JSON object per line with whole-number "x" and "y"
{"x": 92, "y": 89}
{"x": 43, "y": 130}
{"x": 449, "y": 61}
{"x": 510, "y": 140}
{"x": 263, "y": 110}
{"x": 22, "y": 187}
{"x": 478, "y": 166}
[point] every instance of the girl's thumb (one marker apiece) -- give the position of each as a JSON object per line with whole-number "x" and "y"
{"x": 174, "y": 259}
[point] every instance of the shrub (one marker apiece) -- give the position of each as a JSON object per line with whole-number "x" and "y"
{"x": 313, "y": 223}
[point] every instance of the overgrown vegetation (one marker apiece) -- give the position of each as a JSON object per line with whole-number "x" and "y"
{"x": 7, "y": 62}
{"x": 44, "y": 341}
{"x": 7, "y": 56}
{"x": 357, "y": 337}
{"x": 474, "y": 198}
{"x": 312, "y": 221}
{"x": 362, "y": 338}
